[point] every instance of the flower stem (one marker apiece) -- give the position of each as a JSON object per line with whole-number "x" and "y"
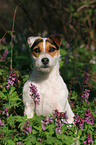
{"x": 12, "y": 36}
{"x": 35, "y": 110}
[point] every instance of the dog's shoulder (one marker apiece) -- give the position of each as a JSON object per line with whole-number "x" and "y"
{"x": 26, "y": 84}
{"x": 26, "y": 88}
{"x": 61, "y": 82}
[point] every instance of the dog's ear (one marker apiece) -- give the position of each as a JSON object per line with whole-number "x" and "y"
{"x": 31, "y": 40}
{"x": 57, "y": 40}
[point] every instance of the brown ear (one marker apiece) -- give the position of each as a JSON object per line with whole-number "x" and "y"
{"x": 57, "y": 40}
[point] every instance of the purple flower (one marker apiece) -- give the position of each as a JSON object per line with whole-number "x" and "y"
{"x": 56, "y": 113}
{"x": 88, "y": 139}
{"x": 64, "y": 114}
{"x": 34, "y": 93}
{"x": 5, "y": 53}
{"x": 67, "y": 44}
{"x": 5, "y": 112}
{"x": 86, "y": 77}
{"x": 40, "y": 140}
{"x": 76, "y": 117}
{"x": 79, "y": 121}
{"x": 27, "y": 128}
{"x": 1, "y": 123}
{"x": 4, "y": 41}
{"x": 88, "y": 117}
{"x": 43, "y": 124}
{"x": 58, "y": 126}
{"x": 11, "y": 80}
{"x": 87, "y": 46}
{"x": 19, "y": 143}
{"x": 47, "y": 121}
{"x": 85, "y": 95}
{"x": 60, "y": 115}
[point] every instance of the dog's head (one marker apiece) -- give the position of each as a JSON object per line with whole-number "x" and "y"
{"x": 45, "y": 52}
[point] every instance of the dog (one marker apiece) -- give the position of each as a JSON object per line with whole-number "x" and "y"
{"x": 46, "y": 77}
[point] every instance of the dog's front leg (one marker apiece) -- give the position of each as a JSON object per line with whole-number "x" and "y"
{"x": 29, "y": 111}
{"x": 69, "y": 113}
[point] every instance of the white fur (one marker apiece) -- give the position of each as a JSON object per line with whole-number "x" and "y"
{"x": 44, "y": 40}
{"x": 31, "y": 40}
{"x": 51, "y": 87}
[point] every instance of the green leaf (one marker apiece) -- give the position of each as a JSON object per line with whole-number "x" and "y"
{"x": 18, "y": 118}
{"x": 3, "y": 96}
{"x": 30, "y": 140}
{"x": 53, "y": 140}
{"x": 63, "y": 52}
{"x": 34, "y": 131}
{"x": 4, "y": 129}
{"x": 12, "y": 89}
{"x": 50, "y": 129}
{"x": 79, "y": 132}
{"x": 38, "y": 128}
{"x": 38, "y": 143}
{"x": 25, "y": 78}
{"x": 1, "y": 72}
{"x": 22, "y": 124}
{"x": 10, "y": 120}
{"x": 74, "y": 96}
{"x": 68, "y": 140}
{"x": 10, "y": 142}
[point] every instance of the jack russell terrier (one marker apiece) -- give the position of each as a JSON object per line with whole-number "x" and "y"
{"x": 45, "y": 76}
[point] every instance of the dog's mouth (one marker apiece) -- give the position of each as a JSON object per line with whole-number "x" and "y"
{"x": 45, "y": 66}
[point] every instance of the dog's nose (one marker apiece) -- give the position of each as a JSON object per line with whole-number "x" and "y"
{"x": 45, "y": 61}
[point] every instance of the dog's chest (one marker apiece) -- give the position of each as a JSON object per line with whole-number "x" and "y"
{"x": 49, "y": 98}
{"x": 47, "y": 89}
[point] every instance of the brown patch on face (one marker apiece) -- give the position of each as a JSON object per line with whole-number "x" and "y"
{"x": 36, "y": 50}
{"x": 50, "y": 48}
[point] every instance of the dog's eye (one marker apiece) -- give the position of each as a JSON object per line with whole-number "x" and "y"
{"x": 37, "y": 50}
{"x": 52, "y": 49}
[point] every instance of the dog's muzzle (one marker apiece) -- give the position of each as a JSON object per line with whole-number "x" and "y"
{"x": 45, "y": 62}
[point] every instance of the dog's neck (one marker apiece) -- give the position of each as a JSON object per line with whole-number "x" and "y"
{"x": 42, "y": 76}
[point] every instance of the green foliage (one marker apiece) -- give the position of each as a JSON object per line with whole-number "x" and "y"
{"x": 11, "y": 97}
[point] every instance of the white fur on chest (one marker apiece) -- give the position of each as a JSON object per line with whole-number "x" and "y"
{"x": 53, "y": 93}
{"x": 52, "y": 96}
